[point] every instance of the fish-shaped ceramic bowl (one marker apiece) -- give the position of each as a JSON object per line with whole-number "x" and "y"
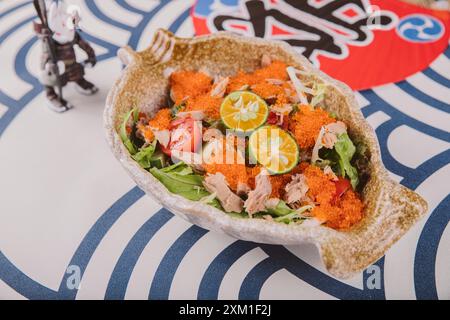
{"x": 390, "y": 209}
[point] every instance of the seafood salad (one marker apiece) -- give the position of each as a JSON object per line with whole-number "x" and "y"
{"x": 256, "y": 145}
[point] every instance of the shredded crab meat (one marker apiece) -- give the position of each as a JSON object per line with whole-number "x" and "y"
{"x": 220, "y": 87}
{"x": 296, "y": 189}
{"x": 307, "y": 123}
{"x": 276, "y": 82}
{"x": 327, "y": 138}
{"x": 163, "y": 137}
{"x": 217, "y": 184}
{"x": 284, "y": 109}
{"x": 211, "y": 134}
{"x": 196, "y": 115}
{"x": 329, "y": 172}
{"x": 256, "y": 201}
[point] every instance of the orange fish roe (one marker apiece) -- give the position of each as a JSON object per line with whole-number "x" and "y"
{"x": 234, "y": 173}
{"x": 267, "y": 90}
{"x": 239, "y": 81}
{"x": 321, "y": 188}
{"x": 351, "y": 211}
{"x": 146, "y": 132}
{"x": 282, "y": 99}
{"x": 209, "y": 105}
{"x": 252, "y": 172}
{"x": 307, "y": 123}
{"x": 337, "y": 213}
{"x": 344, "y": 214}
{"x": 278, "y": 182}
{"x": 189, "y": 84}
{"x": 161, "y": 121}
{"x": 276, "y": 70}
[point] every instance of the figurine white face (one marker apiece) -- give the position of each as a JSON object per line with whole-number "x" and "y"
{"x": 62, "y": 22}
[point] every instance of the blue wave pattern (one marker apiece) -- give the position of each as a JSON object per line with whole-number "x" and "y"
{"x": 278, "y": 257}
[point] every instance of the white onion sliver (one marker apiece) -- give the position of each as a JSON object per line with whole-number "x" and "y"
{"x": 299, "y": 87}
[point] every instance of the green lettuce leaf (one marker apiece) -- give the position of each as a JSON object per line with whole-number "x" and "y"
{"x": 285, "y": 214}
{"x": 180, "y": 168}
{"x": 173, "y": 180}
{"x": 281, "y": 209}
{"x": 319, "y": 93}
{"x": 189, "y": 186}
{"x": 144, "y": 155}
{"x": 346, "y": 150}
{"x": 123, "y": 131}
{"x": 294, "y": 215}
{"x": 209, "y": 199}
{"x": 185, "y": 171}
{"x": 241, "y": 215}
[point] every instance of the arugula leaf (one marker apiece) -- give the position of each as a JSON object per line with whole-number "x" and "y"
{"x": 189, "y": 186}
{"x": 179, "y": 179}
{"x": 123, "y": 131}
{"x": 346, "y": 150}
{"x": 190, "y": 179}
{"x": 185, "y": 171}
{"x": 158, "y": 159}
{"x": 179, "y": 166}
{"x": 144, "y": 155}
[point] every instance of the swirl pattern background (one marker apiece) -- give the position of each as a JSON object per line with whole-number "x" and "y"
{"x": 66, "y": 202}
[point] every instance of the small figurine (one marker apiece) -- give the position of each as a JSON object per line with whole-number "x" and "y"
{"x": 58, "y": 32}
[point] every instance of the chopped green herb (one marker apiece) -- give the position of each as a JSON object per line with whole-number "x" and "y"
{"x": 124, "y": 134}
{"x": 144, "y": 155}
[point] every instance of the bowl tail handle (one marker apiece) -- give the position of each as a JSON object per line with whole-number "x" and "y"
{"x": 161, "y": 48}
{"x": 397, "y": 209}
{"x": 127, "y": 55}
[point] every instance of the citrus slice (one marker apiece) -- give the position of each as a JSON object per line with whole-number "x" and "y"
{"x": 274, "y": 148}
{"x": 243, "y": 111}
